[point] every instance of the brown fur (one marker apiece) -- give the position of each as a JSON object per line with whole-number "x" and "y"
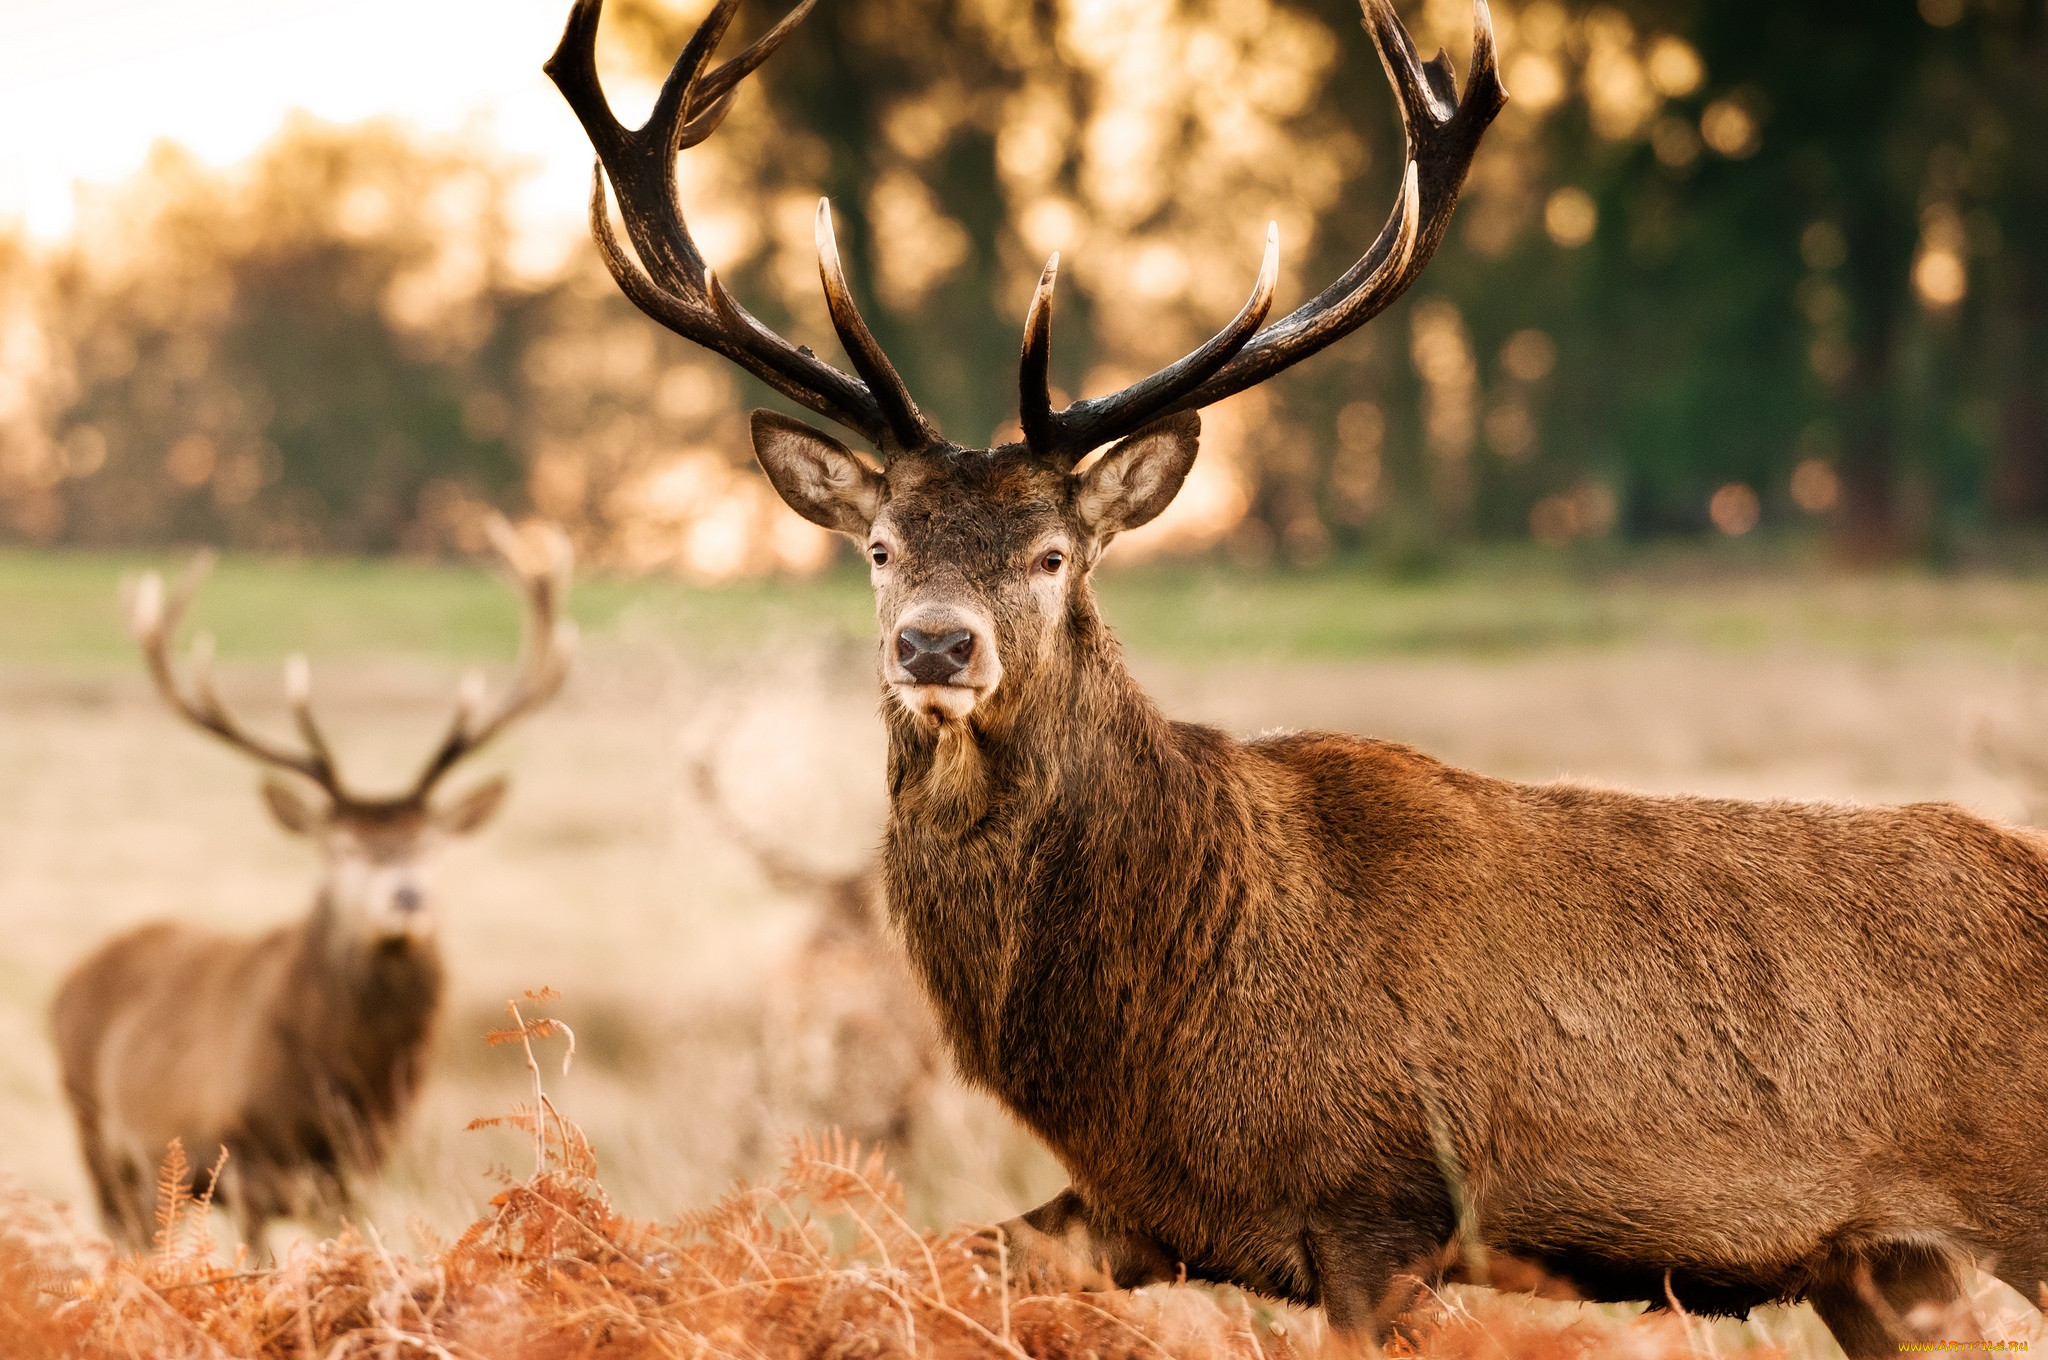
{"x": 1269, "y": 1001}
{"x": 297, "y": 1051}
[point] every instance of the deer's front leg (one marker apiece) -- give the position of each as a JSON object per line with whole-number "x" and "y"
{"x": 1061, "y": 1244}
{"x": 1365, "y": 1282}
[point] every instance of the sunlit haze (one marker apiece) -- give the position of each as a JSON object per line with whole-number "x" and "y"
{"x": 88, "y": 86}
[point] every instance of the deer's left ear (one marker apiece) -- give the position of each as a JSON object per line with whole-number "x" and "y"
{"x": 1138, "y": 477}
{"x": 469, "y": 812}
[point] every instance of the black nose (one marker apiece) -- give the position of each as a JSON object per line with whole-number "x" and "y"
{"x": 407, "y": 899}
{"x": 934, "y": 658}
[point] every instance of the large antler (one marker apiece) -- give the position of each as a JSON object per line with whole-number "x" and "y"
{"x": 546, "y": 648}
{"x": 1442, "y": 131}
{"x": 548, "y": 644}
{"x": 670, "y": 281}
{"x": 153, "y": 618}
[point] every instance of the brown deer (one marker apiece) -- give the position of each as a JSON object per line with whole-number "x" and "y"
{"x": 1319, "y": 1015}
{"x": 848, "y": 1040}
{"x": 297, "y": 1052}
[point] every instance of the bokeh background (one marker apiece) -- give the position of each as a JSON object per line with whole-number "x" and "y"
{"x": 1710, "y": 455}
{"x": 1768, "y": 269}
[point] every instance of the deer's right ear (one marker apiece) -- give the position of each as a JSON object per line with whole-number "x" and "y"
{"x": 292, "y": 812}
{"x": 819, "y": 477}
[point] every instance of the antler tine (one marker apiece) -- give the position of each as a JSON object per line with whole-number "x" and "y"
{"x": 1071, "y": 433}
{"x": 906, "y": 423}
{"x": 664, "y": 273}
{"x": 710, "y": 98}
{"x": 573, "y": 68}
{"x": 547, "y": 645}
{"x": 1442, "y": 131}
{"x": 1034, "y": 370}
{"x": 726, "y": 78}
{"x": 672, "y": 105}
{"x": 154, "y": 616}
{"x": 298, "y": 693}
{"x": 733, "y": 332}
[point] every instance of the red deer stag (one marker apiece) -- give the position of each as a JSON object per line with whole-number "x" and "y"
{"x": 1269, "y": 1002}
{"x": 297, "y": 1051}
{"x": 847, "y": 1038}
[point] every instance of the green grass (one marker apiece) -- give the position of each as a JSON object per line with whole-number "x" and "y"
{"x": 65, "y": 607}
{"x": 61, "y": 607}
{"x": 1524, "y": 601}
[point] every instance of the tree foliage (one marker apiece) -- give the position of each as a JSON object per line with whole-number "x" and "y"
{"x": 1718, "y": 265}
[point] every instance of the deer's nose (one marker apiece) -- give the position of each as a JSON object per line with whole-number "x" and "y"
{"x": 934, "y": 658}
{"x": 407, "y": 899}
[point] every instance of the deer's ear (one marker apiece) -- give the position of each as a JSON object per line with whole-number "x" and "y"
{"x": 819, "y": 477}
{"x": 474, "y": 808}
{"x": 291, "y": 811}
{"x": 1138, "y": 477}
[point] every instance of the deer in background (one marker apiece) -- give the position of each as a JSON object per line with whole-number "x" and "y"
{"x": 2010, "y": 746}
{"x": 297, "y": 1052}
{"x": 847, "y": 1039}
{"x": 1321, "y": 1016}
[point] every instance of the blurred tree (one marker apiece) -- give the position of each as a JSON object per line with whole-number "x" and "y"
{"x": 304, "y": 355}
{"x": 1783, "y": 249}
{"x": 1784, "y": 270}
{"x": 327, "y": 350}
{"x": 1718, "y": 266}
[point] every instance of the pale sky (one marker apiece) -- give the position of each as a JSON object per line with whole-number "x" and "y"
{"x": 88, "y": 86}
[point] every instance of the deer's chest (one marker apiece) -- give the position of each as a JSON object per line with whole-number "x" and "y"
{"x": 1038, "y": 995}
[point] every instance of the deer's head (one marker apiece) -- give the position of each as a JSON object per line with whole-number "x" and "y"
{"x": 375, "y": 851}
{"x": 981, "y": 557}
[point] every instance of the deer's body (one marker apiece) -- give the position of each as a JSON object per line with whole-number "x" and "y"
{"x": 1321, "y": 1016}
{"x": 1234, "y": 986}
{"x": 298, "y": 1051}
{"x": 847, "y": 1037}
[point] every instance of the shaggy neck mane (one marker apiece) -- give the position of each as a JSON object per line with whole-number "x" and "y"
{"x": 1044, "y": 869}
{"x": 367, "y": 1008}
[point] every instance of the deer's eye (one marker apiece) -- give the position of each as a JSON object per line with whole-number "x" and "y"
{"x": 878, "y": 554}
{"x": 1052, "y": 562}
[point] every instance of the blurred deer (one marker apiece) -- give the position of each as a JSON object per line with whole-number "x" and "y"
{"x": 1318, "y": 1015}
{"x": 847, "y": 1039}
{"x": 2012, "y": 746}
{"x": 298, "y": 1051}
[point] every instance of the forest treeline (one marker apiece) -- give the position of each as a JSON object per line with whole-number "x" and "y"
{"x": 1732, "y": 266}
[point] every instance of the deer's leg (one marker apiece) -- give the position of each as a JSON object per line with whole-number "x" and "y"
{"x": 107, "y": 1187}
{"x": 2025, "y": 1269}
{"x": 247, "y": 1190}
{"x": 1367, "y": 1279}
{"x": 1869, "y": 1307}
{"x": 134, "y": 1198}
{"x": 1066, "y": 1244}
{"x": 2019, "y": 1254}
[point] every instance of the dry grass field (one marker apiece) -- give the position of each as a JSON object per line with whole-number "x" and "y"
{"x": 607, "y": 879}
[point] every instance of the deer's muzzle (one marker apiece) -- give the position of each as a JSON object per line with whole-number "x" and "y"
{"x": 941, "y": 662}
